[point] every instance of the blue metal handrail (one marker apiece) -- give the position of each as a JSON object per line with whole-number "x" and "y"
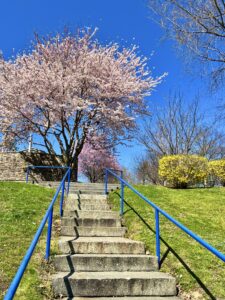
{"x": 48, "y": 216}
{"x": 159, "y": 211}
{"x": 30, "y": 167}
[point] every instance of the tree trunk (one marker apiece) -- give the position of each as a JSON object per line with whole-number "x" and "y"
{"x": 74, "y": 175}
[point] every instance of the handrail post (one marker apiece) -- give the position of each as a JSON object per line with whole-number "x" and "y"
{"x": 157, "y": 235}
{"x": 68, "y": 184}
{"x": 49, "y": 234}
{"x": 121, "y": 194}
{"x": 106, "y": 181}
{"x": 27, "y": 174}
{"x": 62, "y": 199}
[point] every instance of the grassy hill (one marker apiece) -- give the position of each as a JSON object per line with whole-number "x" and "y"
{"x": 199, "y": 273}
{"x": 21, "y": 209}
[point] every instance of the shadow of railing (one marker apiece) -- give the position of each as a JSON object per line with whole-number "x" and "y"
{"x": 171, "y": 250}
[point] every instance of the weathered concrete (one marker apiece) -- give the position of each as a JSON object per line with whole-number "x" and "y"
{"x": 97, "y": 261}
{"x": 105, "y": 263}
{"x": 97, "y": 284}
{"x": 100, "y": 245}
{"x": 77, "y": 206}
{"x": 124, "y": 298}
{"x": 77, "y": 231}
{"x": 91, "y": 222}
{"x": 89, "y": 214}
{"x": 87, "y": 197}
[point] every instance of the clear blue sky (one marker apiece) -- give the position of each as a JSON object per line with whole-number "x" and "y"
{"x": 122, "y": 21}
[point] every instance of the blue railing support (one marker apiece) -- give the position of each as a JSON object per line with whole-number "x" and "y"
{"x": 48, "y": 216}
{"x": 27, "y": 174}
{"x": 68, "y": 184}
{"x": 157, "y": 235}
{"x": 106, "y": 181}
{"x": 202, "y": 242}
{"x": 62, "y": 200}
{"x": 49, "y": 235}
{"x": 121, "y": 195}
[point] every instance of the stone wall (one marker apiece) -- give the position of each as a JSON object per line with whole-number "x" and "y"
{"x": 13, "y": 166}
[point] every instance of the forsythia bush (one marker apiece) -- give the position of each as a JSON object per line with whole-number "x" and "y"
{"x": 181, "y": 170}
{"x": 217, "y": 169}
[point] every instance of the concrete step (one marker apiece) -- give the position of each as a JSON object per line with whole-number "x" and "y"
{"x": 89, "y": 214}
{"x": 77, "y": 206}
{"x": 72, "y": 183}
{"x": 105, "y": 263}
{"x": 87, "y": 192}
{"x": 86, "y": 201}
{"x": 125, "y": 298}
{"x": 91, "y": 221}
{"x": 77, "y": 231}
{"x": 97, "y": 284}
{"x": 88, "y": 197}
{"x": 90, "y": 188}
{"x": 100, "y": 245}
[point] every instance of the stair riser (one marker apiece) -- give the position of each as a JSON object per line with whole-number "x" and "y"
{"x": 87, "y": 207}
{"x": 91, "y": 222}
{"x": 88, "y": 214}
{"x": 125, "y": 298}
{"x": 87, "y": 192}
{"x": 77, "y": 231}
{"x": 69, "y": 202}
{"x": 101, "y": 248}
{"x": 105, "y": 264}
{"x": 95, "y": 190}
{"x": 114, "y": 287}
{"x": 88, "y": 197}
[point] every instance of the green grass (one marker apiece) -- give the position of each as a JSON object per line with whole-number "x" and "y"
{"x": 199, "y": 273}
{"x": 21, "y": 209}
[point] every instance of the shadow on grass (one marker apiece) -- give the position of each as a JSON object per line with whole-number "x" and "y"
{"x": 170, "y": 250}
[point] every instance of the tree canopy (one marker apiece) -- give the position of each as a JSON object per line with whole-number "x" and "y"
{"x": 70, "y": 88}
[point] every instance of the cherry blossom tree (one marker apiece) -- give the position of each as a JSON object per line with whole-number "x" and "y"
{"x": 70, "y": 87}
{"x": 92, "y": 162}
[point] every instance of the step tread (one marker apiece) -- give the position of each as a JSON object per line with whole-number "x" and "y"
{"x": 106, "y": 255}
{"x": 97, "y": 239}
{"x": 96, "y": 211}
{"x": 87, "y": 213}
{"x": 114, "y": 275}
{"x": 105, "y": 262}
{"x": 96, "y": 228}
{"x": 91, "y": 218}
{"x": 124, "y": 298}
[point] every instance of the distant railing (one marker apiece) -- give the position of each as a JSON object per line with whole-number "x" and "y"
{"x": 158, "y": 211}
{"x": 30, "y": 167}
{"x": 48, "y": 216}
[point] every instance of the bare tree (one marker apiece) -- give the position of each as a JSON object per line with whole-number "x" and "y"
{"x": 181, "y": 129}
{"x": 146, "y": 168}
{"x": 198, "y": 26}
{"x": 142, "y": 169}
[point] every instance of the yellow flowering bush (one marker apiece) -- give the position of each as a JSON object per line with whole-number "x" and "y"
{"x": 217, "y": 169}
{"x": 182, "y": 170}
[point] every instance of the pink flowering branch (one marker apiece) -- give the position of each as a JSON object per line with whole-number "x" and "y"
{"x": 69, "y": 87}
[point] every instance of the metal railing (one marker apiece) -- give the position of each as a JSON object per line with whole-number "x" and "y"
{"x": 159, "y": 211}
{"x": 48, "y": 216}
{"x": 31, "y": 167}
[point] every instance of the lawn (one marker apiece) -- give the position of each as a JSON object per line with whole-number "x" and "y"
{"x": 199, "y": 273}
{"x": 22, "y": 207}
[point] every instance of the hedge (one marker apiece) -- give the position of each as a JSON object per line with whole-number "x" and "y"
{"x": 180, "y": 171}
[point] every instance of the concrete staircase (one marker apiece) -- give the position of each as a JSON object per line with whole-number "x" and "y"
{"x": 84, "y": 188}
{"x": 97, "y": 261}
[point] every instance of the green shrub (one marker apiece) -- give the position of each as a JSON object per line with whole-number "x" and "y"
{"x": 182, "y": 170}
{"x": 217, "y": 169}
